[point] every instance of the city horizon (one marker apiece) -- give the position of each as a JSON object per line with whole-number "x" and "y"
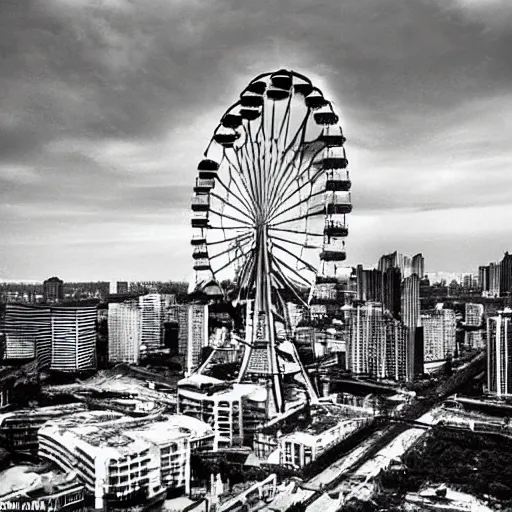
{"x": 100, "y": 150}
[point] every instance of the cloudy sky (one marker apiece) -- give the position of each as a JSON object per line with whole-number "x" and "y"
{"x": 107, "y": 105}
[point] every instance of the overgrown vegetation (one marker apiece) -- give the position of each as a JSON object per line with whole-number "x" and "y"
{"x": 473, "y": 463}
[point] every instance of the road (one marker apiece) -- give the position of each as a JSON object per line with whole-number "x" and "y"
{"x": 331, "y": 478}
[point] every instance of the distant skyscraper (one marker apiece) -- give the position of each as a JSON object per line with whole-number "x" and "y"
{"x": 369, "y": 284}
{"x": 367, "y": 345}
{"x": 391, "y": 280}
{"x": 197, "y": 333}
{"x": 178, "y": 313}
{"x": 407, "y": 265}
{"x": 410, "y": 310}
{"x": 439, "y": 328}
{"x": 396, "y": 350}
{"x": 473, "y": 314}
{"x": 73, "y": 338}
{"x": 121, "y": 287}
{"x": 153, "y": 307}
{"x": 506, "y": 274}
{"x": 376, "y": 344}
{"x": 418, "y": 265}
{"x": 494, "y": 279}
{"x": 53, "y": 290}
{"x": 499, "y": 354}
{"x": 124, "y": 321}
{"x": 483, "y": 278}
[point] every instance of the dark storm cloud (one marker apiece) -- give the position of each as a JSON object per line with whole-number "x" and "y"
{"x": 106, "y": 106}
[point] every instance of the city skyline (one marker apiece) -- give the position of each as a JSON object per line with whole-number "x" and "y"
{"x": 107, "y": 110}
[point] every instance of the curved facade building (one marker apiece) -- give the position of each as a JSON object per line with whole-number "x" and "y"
{"x": 122, "y": 459}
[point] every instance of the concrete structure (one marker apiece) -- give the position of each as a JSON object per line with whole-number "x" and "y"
{"x": 60, "y": 338}
{"x": 124, "y": 332}
{"x": 233, "y": 410}
{"x": 410, "y": 311}
{"x": 483, "y": 278}
{"x": 178, "y": 313}
{"x": 73, "y": 338}
{"x": 499, "y": 352}
{"x": 28, "y": 333}
{"x": 473, "y": 314}
{"x": 377, "y": 343}
{"x": 396, "y": 350}
{"x": 40, "y": 491}
{"x": 367, "y": 345}
{"x": 329, "y": 425}
{"x": 153, "y": 307}
{"x": 19, "y": 428}
{"x": 439, "y": 334}
{"x": 121, "y": 459}
{"x": 494, "y": 279}
{"x": 53, "y": 290}
{"x": 197, "y": 334}
{"x": 407, "y": 265}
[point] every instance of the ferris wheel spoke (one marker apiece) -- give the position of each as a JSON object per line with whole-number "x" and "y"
{"x": 297, "y": 232}
{"x": 297, "y": 258}
{"x": 311, "y": 183}
{"x": 228, "y": 250}
{"x": 301, "y": 174}
{"x": 227, "y": 203}
{"x": 293, "y": 242}
{"x": 226, "y": 265}
{"x": 287, "y": 285}
{"x": 240, "y": 197}
{"x": 231, "y": 239}
{"x": 249, "y": 190}
{"x": 300, "y": 217}
{"x": 299, "y": 276}
{"x": 304, "y": 200}
{"x": 226, "y": 216}
{"x": 288, "y": 169}
{"x": 250, "y": 175}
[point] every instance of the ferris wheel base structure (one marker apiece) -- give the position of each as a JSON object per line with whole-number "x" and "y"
{"x": 269, "y": 213}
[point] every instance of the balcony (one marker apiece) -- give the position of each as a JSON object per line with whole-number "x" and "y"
{"x": 201, "y": 203}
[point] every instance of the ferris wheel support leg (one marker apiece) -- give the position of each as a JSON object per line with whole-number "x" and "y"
{"x": 274, "y": 365}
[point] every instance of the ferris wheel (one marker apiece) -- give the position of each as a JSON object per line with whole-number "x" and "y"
{"x": 271, "y": 199}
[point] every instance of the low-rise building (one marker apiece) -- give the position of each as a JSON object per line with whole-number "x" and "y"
{"x": 19, "y": 428}
{"x": 40, "y": 491}
{"x": 233, "y": 410}
{"x": 123, "y": 459}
